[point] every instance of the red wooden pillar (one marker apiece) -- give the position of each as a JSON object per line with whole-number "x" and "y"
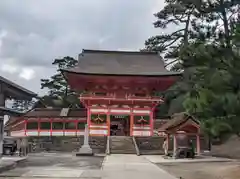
{"x": 76, "y": 127}
{"x": 198, "y": 144}
{"x": 38, "y": 126}
{"x": 25, "y": 127}
{"x": 88, "y": 118}
{"x": 151, "y": 122}
{"x": 51, "y": 124}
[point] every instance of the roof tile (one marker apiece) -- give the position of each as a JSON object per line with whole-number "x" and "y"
{"x": 120, "y": 63}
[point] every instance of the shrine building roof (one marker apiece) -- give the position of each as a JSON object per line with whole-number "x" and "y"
{"x": 55, "y": 112}
{"x": 47, "y": 113}
{"x": 120, "y": 63}
{"x": 14, "y": 90}
{"x": 178, "y": 119}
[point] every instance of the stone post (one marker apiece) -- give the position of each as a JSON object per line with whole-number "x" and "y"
{"x": 174, "y": 146}
{"x": 1, "y": 134}
{"x": 198, "y": 144}
{"x": 85, "y": 149}
{"x": 2, "y": 104}
{"x": 86, "y": 136}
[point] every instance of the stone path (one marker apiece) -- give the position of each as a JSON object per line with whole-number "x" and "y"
{"x": 54, "y": 166}
{"x": 122, "y": 166}
{"x": 57, "y": 166}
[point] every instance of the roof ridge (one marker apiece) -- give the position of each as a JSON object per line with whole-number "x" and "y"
{"x": 119, "y": 51}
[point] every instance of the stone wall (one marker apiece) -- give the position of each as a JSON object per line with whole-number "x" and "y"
{"x": 153, "y": 145}
{"x": 150, "y": 145}
{"x": 65, "y": 144}
{"x": 98, "y": 144}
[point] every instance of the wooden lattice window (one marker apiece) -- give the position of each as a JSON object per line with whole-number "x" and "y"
{"x": 57, "y": 126}
{"x": 32, "y": 125}
{"x": 45, "y": 125}
{"x": 81, "y": 125}
{"x": 70, "y": 125}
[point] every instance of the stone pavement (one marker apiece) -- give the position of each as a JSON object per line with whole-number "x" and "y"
{"x": 117, "y": 166}
{"x": 54, "y": 165}
{"x": 160, "y": 159}
{"x": 120, "y": 166}
{"x": 7, "y": 163}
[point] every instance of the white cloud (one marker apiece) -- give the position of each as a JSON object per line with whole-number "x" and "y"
{"x": 3, "y": 33}
{"x": 9, "y": 68}
{"x": 27, "y": 74}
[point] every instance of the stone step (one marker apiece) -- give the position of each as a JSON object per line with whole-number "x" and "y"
{"x": 122, "y": 148}
{"x": 123, "y": 152}
{"x": 122, "y": 145}
{"x": 121, "y": 139}
{"x": 152, "y": 152}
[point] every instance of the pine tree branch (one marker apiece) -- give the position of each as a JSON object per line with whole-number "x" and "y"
{"x": 172, "y": 42}
{"x": 180, "y": 18}
{"x": 171, "y": 62}
{"x": 174, "y": 33}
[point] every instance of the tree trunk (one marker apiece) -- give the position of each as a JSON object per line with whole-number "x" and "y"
{"x": 185, "y": 40}
{"x": 225, "y": 24}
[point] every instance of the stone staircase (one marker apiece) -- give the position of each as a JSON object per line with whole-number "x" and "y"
{"x": 122, "y": 145}
{"x": 151, "y": 145}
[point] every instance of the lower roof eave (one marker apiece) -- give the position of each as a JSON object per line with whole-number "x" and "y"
{"x": 123, "y": 75}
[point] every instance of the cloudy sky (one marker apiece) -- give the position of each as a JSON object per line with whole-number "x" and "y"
{"x": 33, "y": 33}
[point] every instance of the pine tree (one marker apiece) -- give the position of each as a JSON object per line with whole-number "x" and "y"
{"x": 179, "y": 13}
{"x": 209, "y": 56}
{"x": 222, "y": 14}
{"x": 59, "y": 92}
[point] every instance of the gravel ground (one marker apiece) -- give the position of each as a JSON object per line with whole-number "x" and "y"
{"x": 204, "y": 170}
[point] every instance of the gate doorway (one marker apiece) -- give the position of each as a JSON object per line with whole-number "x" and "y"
{"x": 120, "y": 125}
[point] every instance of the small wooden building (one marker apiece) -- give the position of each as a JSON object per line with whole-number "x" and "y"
{"x": 182, "y": 127}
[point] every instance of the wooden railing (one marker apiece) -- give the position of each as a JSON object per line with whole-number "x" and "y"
{"x": 116, "y": 97}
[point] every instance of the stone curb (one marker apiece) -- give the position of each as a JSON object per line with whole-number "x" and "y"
{"x": 7, "y": 167}
{"x": 195, "y": 161}
{"x": 11, "y": 165}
